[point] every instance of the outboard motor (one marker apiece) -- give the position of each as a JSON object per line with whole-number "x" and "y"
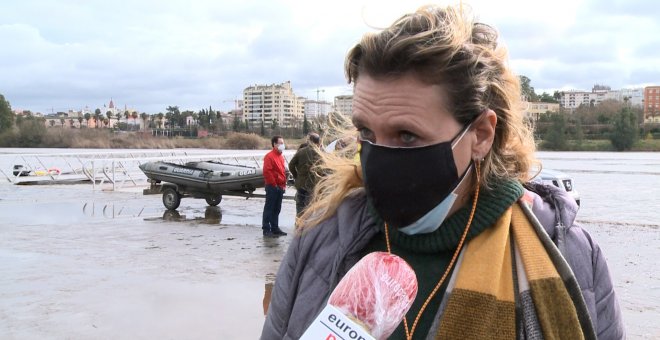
{"x": 19, "y": 170}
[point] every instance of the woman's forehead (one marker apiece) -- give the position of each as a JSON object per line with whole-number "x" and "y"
{"x": 405, "y": 93}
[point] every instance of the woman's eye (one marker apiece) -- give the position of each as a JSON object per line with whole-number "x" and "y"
{"x": 407, "y": 137}
{"x": 366, "y": 134}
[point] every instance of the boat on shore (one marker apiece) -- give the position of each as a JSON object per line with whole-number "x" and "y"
{"x": 204, "y": 179}
{"x": 207, "y": 175}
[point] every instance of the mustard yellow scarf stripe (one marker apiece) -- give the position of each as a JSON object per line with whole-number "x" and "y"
{"x": 554, "y": 307}
{"x": 482, "y": 303}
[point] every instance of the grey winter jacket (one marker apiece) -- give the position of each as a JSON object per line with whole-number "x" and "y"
{"x": 557, "y": 211}
{"x": 318, "y": 259}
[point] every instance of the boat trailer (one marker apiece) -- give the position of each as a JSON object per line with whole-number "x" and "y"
{"x": 173, "y": 193}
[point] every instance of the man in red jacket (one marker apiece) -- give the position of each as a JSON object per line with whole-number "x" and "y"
{"x": 275, "y": 178}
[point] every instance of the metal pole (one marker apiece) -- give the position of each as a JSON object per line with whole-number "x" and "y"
{"x": 93, "y": 176}
{"x": 113, "y": 179}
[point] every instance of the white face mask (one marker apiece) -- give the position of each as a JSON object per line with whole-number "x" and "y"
{"x": 434, "y": 218}
{"x": 281, "y": 147}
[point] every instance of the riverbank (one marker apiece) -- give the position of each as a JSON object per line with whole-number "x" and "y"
{"x": 644, "y": 145}
{"x": 108, "y": 139}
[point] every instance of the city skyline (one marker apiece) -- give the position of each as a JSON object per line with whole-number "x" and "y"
{"x": 149, "y": 55}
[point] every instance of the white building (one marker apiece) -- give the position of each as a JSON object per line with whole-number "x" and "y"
{"x": 314, "y": 108}
{"x": 272, "y": 102}
{"x": 635, "y": 96}
{"x": 571, "y": 100}
{"x": 344, "y": 104}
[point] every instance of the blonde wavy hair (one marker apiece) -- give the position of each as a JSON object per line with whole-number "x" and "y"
{"x": 441, "y": 46}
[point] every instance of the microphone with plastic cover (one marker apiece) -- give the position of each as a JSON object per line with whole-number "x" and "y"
{"x": 369, "y": 302}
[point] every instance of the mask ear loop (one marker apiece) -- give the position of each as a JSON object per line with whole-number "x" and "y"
{"x": 460, "y": 136}
{"x": 467, "y": 128}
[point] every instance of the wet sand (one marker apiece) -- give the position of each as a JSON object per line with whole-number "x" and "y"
{"x": 632, "y": 256}
{"x": 79, "y": 264}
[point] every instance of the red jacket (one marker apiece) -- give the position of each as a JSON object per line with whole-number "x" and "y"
{"x": 274, "y": 169}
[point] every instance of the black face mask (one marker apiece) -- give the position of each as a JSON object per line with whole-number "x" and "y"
{"x": 404, "y": 183}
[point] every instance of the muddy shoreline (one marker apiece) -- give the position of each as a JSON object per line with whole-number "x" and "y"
{"x": 80, "y": 264}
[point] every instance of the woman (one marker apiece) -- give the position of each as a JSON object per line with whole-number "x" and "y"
{"x": 443, "y": 153}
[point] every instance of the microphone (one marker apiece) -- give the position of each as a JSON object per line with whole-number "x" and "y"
{"x": 369, "y": 302}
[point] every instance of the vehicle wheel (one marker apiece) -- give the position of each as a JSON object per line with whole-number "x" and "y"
{"x": 213, "y": 201}
{"x": 171, "y": 198}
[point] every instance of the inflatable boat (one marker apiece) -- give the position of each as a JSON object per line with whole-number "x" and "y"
{"x": 207, "y": 179}
{"x": 206, "y": 176}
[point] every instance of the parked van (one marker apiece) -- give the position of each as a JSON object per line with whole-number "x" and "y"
{"x": 560, "y": 180}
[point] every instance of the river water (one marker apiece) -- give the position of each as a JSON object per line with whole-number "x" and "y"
{"x": 77, "y": 263}
{"x": 615, "y": 188}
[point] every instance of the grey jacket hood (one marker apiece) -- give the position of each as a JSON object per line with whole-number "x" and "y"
{"x": 553, "y": 207}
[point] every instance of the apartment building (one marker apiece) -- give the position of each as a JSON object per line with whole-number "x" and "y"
{"x": 634, "y": 96}
{"x": 652, "y": 104}
{"x": 571, "y": 100}
{"x": 344, "y": 104}
{"x": 272, "y": 102}
{"x": 315, "y": 108}
{"x": 533, "y": 110}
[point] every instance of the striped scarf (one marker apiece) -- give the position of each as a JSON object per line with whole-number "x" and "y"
{"x": 511, "y": 282}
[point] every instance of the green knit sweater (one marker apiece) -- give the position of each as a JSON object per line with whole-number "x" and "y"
{"x": 429, "y": 254}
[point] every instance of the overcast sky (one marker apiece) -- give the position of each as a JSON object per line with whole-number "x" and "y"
{"x": 149, "y": 54}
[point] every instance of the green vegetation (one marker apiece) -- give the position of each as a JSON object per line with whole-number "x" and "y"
{"x": 609, "y": 126}
{"x": 555, "y": 138}
{"x": 527, "y": 90}
{"x": 33, "y": 133}
{"x": 6, "y": 116}
{"x": 604, "y": 145}
{"x": 28, "y": 132}
{"x": 625, "y": 132}
{"x": 246, "y": 141}
{"x": 606, "y": 126}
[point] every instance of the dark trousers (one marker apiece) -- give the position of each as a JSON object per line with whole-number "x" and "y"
{"x": 272, "y": 208}
{"x": 303, "y": 197}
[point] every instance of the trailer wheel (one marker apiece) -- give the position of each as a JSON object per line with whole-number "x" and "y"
{"x": 171, "y": 198}
{"x": 213, "y": 200}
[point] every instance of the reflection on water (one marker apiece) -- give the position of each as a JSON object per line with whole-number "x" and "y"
{"x": 268, "y": 290}
{"x": 271, "y": 246}
{"x": 173, "y": 215}
{"x": 212, "y": 215}
{"x": 111, "y": 210}
{"x": 272, "y": 242}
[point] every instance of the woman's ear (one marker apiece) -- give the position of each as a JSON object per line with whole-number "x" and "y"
{"x": 484, "y": 131}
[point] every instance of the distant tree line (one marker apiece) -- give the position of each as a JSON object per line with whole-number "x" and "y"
{"x": 610, "y": 120}
{"x": 527, "y": 91}
{"x": 28, "y": 130}
{"x": 21, "y": 131}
